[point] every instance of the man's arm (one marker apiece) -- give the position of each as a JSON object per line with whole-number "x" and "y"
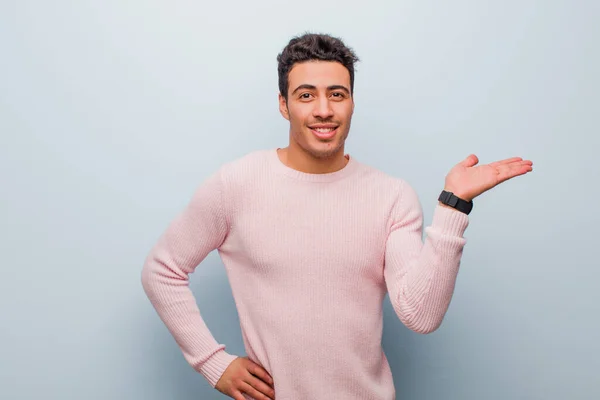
{"x": 421, "y": 276}
{"x": 199, "y": 229}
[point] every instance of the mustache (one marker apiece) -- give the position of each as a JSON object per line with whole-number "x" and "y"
{"x": 324, "y": 121}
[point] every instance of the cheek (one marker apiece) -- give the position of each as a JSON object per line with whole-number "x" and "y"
{"x": 298, "y": 117}
{"x": 344, "y": 111}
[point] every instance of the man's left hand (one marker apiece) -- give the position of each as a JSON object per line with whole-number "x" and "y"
{"x": 468, "y": 180}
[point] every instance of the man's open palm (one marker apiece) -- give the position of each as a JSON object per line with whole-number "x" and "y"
{"x": 468, "y": 180}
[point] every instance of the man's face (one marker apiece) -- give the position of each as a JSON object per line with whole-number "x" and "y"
{"x": 319, "y": 107}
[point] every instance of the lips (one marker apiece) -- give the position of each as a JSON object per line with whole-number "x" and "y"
{"x": 324, "y": 131}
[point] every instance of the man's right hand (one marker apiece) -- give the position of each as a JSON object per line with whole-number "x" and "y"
{"x": 245, "y": 376}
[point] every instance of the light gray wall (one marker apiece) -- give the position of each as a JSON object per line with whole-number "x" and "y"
{"x": 112, "y": 112}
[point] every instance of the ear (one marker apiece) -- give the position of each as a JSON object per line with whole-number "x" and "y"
{"x": 283, "y": 109}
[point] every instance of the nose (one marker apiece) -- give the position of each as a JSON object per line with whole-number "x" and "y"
{"x": 322, "y": 109}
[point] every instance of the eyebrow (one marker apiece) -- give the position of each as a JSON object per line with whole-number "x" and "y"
{"x": 330, "y": 88}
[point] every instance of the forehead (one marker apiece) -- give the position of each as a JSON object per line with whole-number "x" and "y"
{"x": 319, "y": 74}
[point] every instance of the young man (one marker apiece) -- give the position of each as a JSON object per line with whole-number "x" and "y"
{"x": 312, "y": 240}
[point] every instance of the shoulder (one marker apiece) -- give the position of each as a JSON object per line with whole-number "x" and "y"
{"x": 398, "y": 193}
{"x": 396, "y": 186}
{"x": 244, "y": 173}
{"x": 243, "y": 168}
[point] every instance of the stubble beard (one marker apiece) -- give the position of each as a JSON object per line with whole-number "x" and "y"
{"x": 317, "y": 153}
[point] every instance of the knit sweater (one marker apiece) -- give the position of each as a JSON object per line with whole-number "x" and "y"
{"x": 310, "y": 258}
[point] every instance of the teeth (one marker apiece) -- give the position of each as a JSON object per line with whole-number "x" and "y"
{"x": 324, "y": 130}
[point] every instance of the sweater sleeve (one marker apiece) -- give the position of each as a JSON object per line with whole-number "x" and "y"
{"x": 200, "y": 228}
{"x": 421, "y": 274}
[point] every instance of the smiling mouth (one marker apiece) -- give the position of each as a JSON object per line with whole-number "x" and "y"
{"x": 324, "y": 130}
{"x": 324, "y": 133}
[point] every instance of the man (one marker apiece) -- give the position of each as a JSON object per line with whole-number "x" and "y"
{"x": 312, "y": 240}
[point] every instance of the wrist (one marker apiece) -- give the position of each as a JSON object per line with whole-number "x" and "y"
{"x": 458, "y": 193}
{"x": 451, "y": 200}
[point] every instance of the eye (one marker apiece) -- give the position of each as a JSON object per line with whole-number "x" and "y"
{"x": 305, "y": 95}
{"x": 338, "y": 95}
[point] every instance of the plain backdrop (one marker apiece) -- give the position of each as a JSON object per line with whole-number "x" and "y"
{"x": 112, "y": 112}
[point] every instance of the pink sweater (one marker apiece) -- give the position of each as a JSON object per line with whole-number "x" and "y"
{"x": 310, "y": 258}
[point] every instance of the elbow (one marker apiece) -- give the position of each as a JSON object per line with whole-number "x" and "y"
{"x": 422, "y": 324}
{"x": 147, "y": 279}
{"x": 151, "y": 277}
{"x": 419, "y": 320}
{"x": 424, "y": 329}
{"x": 157, "y": 277}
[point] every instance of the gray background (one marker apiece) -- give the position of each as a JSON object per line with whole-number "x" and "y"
{"x": 112, "y": 112}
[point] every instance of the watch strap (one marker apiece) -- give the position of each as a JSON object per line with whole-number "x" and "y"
{"x": 453, "y": 201}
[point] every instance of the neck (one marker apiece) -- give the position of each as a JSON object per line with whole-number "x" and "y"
{"x": 301, "y": 161}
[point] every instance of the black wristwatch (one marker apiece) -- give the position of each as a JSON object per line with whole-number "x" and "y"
{"x": 451, "y": 200}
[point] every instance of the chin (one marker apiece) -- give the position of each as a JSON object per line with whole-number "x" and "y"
{"x": 319, "y": 149}
{"x": 324, "y": 149}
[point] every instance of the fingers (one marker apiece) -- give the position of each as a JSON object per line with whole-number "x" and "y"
{"x": 512, "y": 161}
{"x": 237, "y": 396}
{"x": 521, "y": 166}
{"x": 259, "y": 382}
{"x": 261, "y": 387}
{"x": 260, "y": 372}
{"x": 506, "y": 161}
{"x": 251, "y": 389}
{"x": 470, "y": 161}
{"x": 243, "y": 376}
{"x": 512, "y": 170}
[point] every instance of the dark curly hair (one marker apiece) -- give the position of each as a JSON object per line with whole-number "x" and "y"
{"x": 313, "y": 46}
